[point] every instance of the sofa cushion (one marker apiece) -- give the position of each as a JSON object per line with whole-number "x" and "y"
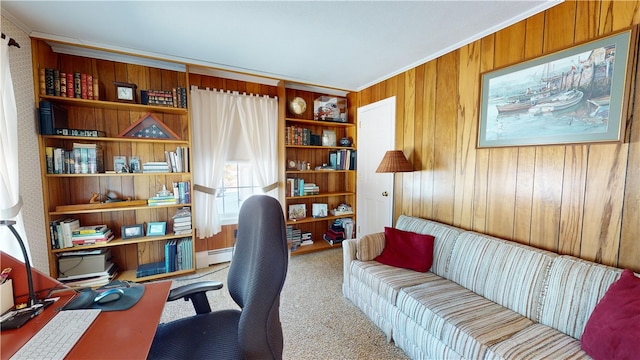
{"x": 505, "y": 272}
{"x": 387, "y": 280}
{"x": 464, "y": 321}
{"x": 407, "y": 250}
{"x": 613, "y": 330}
{"x": 573, "y": 289}
{"x": 537, "y": 342}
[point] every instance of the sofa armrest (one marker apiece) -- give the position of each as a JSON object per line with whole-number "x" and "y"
{"x": 370, "y": 246}
{"x": 348, "y": 255}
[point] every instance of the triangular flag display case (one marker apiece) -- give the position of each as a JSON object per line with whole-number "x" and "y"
{"x": 149, "y": 126}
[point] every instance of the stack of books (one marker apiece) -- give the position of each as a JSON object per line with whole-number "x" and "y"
{"x": 93, "y": 234}
{"x": 161, "y": 200}
{"x": 182, "y": 222}
{"x": 306, "y": 239}
{"x": 90, "y": 279}
{"x": 155, "y": 167}
{"x": 294, "y": 237}
{"x": 310, "y": 189}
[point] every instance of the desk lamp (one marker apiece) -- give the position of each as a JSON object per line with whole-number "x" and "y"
{"x": 394, "y": 161}
{"x": 34, "y": 306}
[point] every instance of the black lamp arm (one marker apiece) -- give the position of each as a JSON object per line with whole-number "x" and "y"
{"x": 32, "y": 294}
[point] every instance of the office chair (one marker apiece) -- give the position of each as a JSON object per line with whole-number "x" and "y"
{"x": 255, "y": 279}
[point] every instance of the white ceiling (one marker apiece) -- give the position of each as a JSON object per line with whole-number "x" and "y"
{"x": 346, "y": 45}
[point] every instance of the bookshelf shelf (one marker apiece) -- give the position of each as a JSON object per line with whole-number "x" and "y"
{"x": 322, "y": 195}
{"x": 112, "y": 105}
{"x": 114, "y": 139}
{"x": 109, "y": 118}
{"x": 119, "y": 242}
{"x": 128, "y": 208}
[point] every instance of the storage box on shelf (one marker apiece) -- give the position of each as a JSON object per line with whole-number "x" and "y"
{"x": 319, "y": 169}
{"x": 71, "y": 192}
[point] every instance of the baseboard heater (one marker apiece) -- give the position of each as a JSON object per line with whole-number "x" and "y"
{"x": 210, "y": 257}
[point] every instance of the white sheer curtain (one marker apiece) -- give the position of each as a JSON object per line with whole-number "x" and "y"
{"x": 211, "y": 115}
{"x": 259, "y": 118}
{"x": 10, "y": 201}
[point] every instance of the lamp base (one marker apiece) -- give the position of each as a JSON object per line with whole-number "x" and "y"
{"x": 16, "y": 318}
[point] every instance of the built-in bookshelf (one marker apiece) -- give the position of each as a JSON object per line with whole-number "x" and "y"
{"x": 320, "y": 171}
{"x": 97, "y": 189}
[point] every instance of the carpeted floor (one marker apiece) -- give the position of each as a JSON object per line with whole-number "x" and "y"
{"x": 317, "y": 321}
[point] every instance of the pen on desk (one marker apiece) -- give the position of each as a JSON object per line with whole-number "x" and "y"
{"x": 4, "y": 275}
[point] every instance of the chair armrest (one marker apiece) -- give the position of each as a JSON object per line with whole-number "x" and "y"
{"x": 197, "y": 293}
{"x": 370, "y": 246}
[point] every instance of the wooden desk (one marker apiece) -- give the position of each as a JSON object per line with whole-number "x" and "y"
{"x": 113, "y": 335}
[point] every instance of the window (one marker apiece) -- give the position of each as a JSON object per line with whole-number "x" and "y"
{"x": 238, "y": 183}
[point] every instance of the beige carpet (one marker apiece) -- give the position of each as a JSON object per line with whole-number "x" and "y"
{"x": 317, "y": 321}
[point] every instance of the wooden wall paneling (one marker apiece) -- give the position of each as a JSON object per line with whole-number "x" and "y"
{"x": 533, "y": 46}
{"x": 572, "y": 202}
{"x": 524, "y": 195}
{"x": 603, "y": 203}
{"x": 426, "y": 165}
{"x": 466, "y": 134}
{"x": 629, "y": 251}
{"x": 587, "y": 20}
{"x": 545, "y": 219}
{"x": 418, "y": 139}
{"x": 445, "y": 136}
{"x": 481, "y": 179}
{"x": 503, "y": 162}
{"x": 408, "y": 140}
{"x": 400, "y": 207}
{"x": 560, "y": 26}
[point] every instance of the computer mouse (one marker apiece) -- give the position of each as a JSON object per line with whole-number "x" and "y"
{"x": 108, "y": 296}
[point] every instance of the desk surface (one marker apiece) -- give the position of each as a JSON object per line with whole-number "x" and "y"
{"x": 113, "y": 335}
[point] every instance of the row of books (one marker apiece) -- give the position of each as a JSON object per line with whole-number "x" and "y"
{"x": 178, "y": 160}
{"x": 297, "y": 237}
{"x": 68, "y": 232}
{"x": 297, "y": 135}
{"x": 298, "y": 187}
{"x": 73, "y": 84}
{"x": 177, "y": 97}
{"x": 178, "y": 256}
{"x": 82, "y": 159}
{"x": 343, "y": 159}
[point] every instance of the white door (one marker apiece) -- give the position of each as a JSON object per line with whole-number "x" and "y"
{"x": 376, "y": 134}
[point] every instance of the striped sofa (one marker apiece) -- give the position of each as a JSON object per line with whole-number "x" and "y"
{"x": 484, "y": 297}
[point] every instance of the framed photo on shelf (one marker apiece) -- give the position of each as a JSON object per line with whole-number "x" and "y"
{"x": 132, "y": 231}
{"x": 120, "y": 164}
{"x": 319, "y": 210}
{"x": 134, "y": 164}
{"x": 576, "y": 95}
{"x": 328, "y": 138}
{"x": 297, "y": 211}
{"x": 156, "y": 228}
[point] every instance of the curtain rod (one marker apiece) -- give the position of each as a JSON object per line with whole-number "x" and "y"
{"x": 12, "y": 42}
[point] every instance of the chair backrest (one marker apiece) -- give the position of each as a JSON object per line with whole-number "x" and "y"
{"x": 257, "y": 274}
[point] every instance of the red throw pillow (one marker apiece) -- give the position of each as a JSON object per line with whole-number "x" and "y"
{"x": 407, "y": 250}
{"x": 613, "y": 330}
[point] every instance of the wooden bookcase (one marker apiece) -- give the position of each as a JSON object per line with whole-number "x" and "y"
{"x": 335, "y": 186}
{"x": 112, "y": 117}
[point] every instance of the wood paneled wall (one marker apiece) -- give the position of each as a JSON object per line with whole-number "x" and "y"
{"x": 582, "y": 200}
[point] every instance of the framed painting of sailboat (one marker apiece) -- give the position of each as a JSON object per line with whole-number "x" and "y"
{"x": 577, "y": 95}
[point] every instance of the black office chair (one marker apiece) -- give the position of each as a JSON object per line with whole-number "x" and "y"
{"x": 256, "y": 276}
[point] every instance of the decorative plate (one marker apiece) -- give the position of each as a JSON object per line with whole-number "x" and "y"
{"x": 297, "y": 105}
